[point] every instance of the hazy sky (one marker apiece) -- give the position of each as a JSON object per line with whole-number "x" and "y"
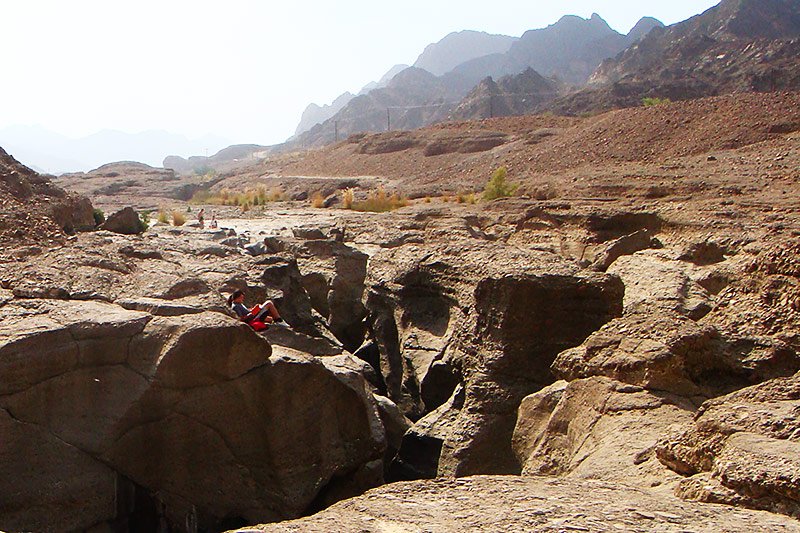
{"x": 241, "y": 69}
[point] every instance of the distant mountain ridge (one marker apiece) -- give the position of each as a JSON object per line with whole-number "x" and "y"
{"x": 315, "y": 114}
{"x": 569, "y": 50}
{"x": 509, "y": 96}
{"x": 736, "y": 46}
{"x": 454, "y": 49}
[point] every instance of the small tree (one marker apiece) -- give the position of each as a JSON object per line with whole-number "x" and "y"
{"x": 144, "y": 221}
{"x": 497, "y": 186}
{"x": 99, "y": 216}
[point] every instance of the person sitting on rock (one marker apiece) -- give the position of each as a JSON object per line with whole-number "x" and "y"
{"x": 259, "y": 317}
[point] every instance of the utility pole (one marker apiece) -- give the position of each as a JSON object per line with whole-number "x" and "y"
{"x": 491, "y": 106}
{"x": 336, "y": 130}
{"x": 388, "y": 121}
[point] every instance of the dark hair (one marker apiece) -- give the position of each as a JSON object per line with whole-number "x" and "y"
{"x": 232, "y": 297}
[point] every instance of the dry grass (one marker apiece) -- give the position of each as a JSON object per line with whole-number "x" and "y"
{"x": 348, "y": 197}
{"x": 248, "y": 198}
{"x": 178, "y": 218}
{"x": 379, "y": 201}
{"x": 318, "y": 200}
{"x": 163, "y": 216}
{"x": 466, "y": 198}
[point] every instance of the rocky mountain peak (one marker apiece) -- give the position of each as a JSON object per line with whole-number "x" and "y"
{"x": 643, "y": 27}
{"x": 457, "y": 47}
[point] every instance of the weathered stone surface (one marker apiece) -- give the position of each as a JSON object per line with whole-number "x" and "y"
{"x": 748, "y": 441}
{"x": 159, "y": 307}
{"x": 535, "y": 504}
{"x": 625, "y": 245}
{"x": 651, "y": 279}
{"x": 191, "y": 408}
{"x": 497, "y": 316}
{"x": 597, "y": 428}
{"x": 665, "y": 351}
{"x": 125, "y": 221}
{"x": 49, "y": 485}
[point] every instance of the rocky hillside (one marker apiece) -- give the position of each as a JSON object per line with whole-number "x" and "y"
{"x": 509, "y": 96}
{"x": 226, "y": 157}
{"x": 736, "y": 46}
{"x": 116, "y": 185}
{"x": 459, "y": 47}
{"x": 452, "y": 157}
{"x": 35, "y": 211}
{"x": 569, "y": 50}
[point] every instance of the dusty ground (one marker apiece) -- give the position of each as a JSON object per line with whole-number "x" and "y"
{"x": 525, "y": 504}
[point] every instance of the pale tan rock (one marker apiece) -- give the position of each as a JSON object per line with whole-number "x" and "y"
{"x": 597, "y": 428}
{"x": 746, "y": 443}
{"x": 525, "y": 504}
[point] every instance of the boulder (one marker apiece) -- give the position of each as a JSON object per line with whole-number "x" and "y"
{"x": 126, "y": 221}
{"x": 742, "y": 449}
{"x": 191, "y": 408}
{"x": 597, "y": 428}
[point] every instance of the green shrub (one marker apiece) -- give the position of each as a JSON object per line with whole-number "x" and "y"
{"x": 650, "y": 102}
{"x": 99, "y": 216}
{"x": 144, "y": 220}
{"x": 497, "y": 186}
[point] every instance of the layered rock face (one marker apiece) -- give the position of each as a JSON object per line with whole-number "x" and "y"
{"x": 488, "y": 316}
{"x": 742, "y": 449}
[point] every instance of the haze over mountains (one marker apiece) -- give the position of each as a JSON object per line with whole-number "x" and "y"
{"x": 568, "y": 51}
{"x": 53, "y": 153}
{"x": 574, "y": 66}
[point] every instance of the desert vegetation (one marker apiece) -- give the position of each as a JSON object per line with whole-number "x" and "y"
{"x": 651, "y": 102}
{"x": 497, "y": 187}
{"x": 377, "y": 201}
{"x": 246, "y": 199}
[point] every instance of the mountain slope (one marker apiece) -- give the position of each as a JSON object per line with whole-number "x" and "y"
{"x": 571, "y": 49}
{"x": 459, "y": 47}
{"x": 509, "y": 96}
{"x": 315, "y": 114}
{"x": 739, "y": 45}
{"x": 568, "y": 50}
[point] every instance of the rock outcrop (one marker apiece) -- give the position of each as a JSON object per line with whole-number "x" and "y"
{"x": 497, "y": 503}
{"x": 597, "y": 428}
{"x": 742, "y": 449}
{"x": 33, "y": 210}
{"x": 189, "y": 411}
{"x": 490, "y": 317}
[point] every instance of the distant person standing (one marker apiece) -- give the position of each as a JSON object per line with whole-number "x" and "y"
{"x": 214, "y": 224}
{"x": 201, "y": 218}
